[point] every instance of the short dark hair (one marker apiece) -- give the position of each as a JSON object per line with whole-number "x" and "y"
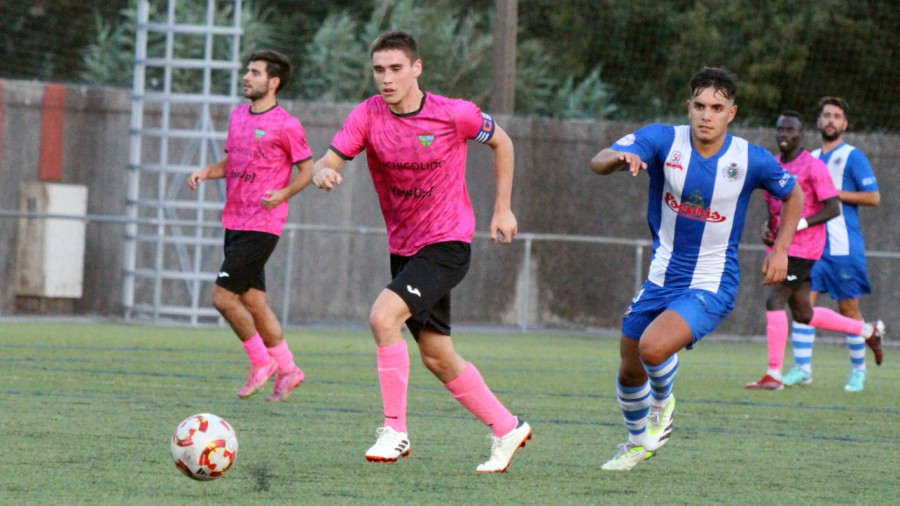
{"x": 277, "y": 65}
{"x": 792, "y": 114}
{"x": 396, "y": 40}
{"x": 719, "y": 79}
{"x": 835, "y": 101}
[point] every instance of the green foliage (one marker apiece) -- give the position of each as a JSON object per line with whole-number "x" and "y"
{"x": 786, "y": 54}
{"x": 109, "y": 59}
{"x": 88, "y": 410}
{"x": 456, "y": 50}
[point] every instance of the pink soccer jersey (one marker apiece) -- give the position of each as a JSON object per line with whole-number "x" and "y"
{"x": 262, "y": 150}
{"x": 815, "y": 181}
{"x": 418, "y": 165}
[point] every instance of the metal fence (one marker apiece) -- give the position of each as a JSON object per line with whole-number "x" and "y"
{"x": 639, "y": 251}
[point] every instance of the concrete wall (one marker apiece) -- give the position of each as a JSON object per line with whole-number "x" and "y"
{"x": 336, "y": 276}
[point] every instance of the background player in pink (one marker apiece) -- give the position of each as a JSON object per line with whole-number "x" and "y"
{"x": 415, "y": 145}
{"x": 820, "y": 204}
{"x": 264, "y": 143}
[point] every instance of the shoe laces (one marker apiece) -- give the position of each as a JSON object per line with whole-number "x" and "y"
{"x": 656, "y": 414}
{"x": 496, "y": 442}
{"x": 625, "y": 448}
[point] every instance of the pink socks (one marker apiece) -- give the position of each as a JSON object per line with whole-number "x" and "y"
{"x": 824, "y": 318}
{"x": 776, "y": 334}
{"x": 473, "y": 393}
{"x": 393, "y": 375}
{"x": 282, "y": 356}
{"x": 256, "y": 350}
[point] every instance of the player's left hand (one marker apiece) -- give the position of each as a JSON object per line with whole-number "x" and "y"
{"x": 504, "y": 227}
{"x": 273, "y": 198}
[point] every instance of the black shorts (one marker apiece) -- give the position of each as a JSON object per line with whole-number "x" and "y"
{"x": 799, "y": 272}
{"x": 424, "y": 281}
{"x": 246, "y": 254}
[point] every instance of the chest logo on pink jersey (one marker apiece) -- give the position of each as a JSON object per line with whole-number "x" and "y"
{"x": 259, "y": 133}
{"x": 426, "y": 138}
{"x": 694, "y": 208}
{"x": 674, "y": 161}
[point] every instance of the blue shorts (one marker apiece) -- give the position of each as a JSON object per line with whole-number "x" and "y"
{"x": 843, "y": 277}
{"x": 702, "y": 310}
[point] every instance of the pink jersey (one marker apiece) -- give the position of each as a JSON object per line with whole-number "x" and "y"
{"x": 418, "y": 166}
{"x": 262, "y": 150}
{"x": 815, "y": 181}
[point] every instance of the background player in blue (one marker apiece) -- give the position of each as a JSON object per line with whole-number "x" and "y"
{"x": 701, "y": 180}
{"x": 842, "y": 270}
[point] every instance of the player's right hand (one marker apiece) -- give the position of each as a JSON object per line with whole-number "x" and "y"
{"x": 327, "y": 179}
{"x": 633, "y": 163}
{"x": 196, "y": 178}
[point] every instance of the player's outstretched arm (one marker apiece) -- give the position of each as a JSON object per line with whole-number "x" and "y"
{"x": 214, "y": 171}
{"x": 326, "y": 171}
{"x": 776, "y": 264}
{"x": 273, "y": 198}
{"x": 503, "y": 222}
{"x": 610, "y": 160}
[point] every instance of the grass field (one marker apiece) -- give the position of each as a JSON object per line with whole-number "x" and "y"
{"x": 87, "y": 411}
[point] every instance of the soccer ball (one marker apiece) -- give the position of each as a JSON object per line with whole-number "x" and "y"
{"x": 204, "y": 446}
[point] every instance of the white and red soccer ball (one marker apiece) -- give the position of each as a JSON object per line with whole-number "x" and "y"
{"x": 204, "y": 446}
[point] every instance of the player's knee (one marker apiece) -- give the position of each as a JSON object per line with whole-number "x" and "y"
{"x": 803, "y": 316}
{"x": 224, "y": 301}
{"x": 653, "y": 355}
{"x": 381, "y": 321}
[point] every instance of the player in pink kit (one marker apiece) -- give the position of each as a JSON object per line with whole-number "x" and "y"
{"x": 264, "y": 144}
{"x": 415, "y": 144}
{"x": 821, "y": 203}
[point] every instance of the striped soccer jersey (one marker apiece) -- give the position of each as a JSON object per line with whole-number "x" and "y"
{"x": 850, "y": 171}
{"x": 697, "y": 206}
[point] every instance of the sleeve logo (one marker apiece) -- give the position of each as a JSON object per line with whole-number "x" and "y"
{"x": 628, "y": 140}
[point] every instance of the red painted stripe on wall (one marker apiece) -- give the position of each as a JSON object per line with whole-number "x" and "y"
{"x": 53, "y": 114}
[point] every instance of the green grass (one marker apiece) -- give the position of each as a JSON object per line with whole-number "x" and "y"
{"x": 87, "y": 411}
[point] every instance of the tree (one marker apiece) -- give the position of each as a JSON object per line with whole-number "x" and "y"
{"x": 455, "y": 46}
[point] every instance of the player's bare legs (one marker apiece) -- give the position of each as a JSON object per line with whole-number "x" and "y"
{"x": 264, "y": 319}
{"x": 440, "y": 357}
{"x": 388, "y": 314}
{"x": 664, "y": 337}
{"x": 255, "y": 324}
{"x": 235, "y": 313}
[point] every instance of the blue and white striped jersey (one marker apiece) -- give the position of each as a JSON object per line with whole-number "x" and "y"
{"x": 850, "y": 171}
{"x": 697, "y": 206}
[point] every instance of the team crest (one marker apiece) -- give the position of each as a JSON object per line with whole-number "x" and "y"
{"x": 259, "y": 133}
{"x": 732, "y": 171}
{"x": 426, "y": 138}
